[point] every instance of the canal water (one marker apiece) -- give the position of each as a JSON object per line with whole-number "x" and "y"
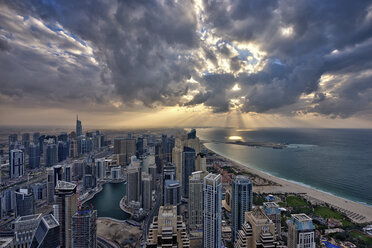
{"x": 107, "y": 201}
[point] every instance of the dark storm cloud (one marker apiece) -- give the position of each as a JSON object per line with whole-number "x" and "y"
{"x": 300, "y": 36}
{"x": 4, "y": 45}
{"x": 145, "y": 52}
{"x": 143, "y": 47}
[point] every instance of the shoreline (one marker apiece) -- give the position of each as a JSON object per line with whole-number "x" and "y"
{"x": 357, "y": 212}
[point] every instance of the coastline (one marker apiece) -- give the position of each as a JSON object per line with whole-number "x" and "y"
{"x": 357, "y": 212}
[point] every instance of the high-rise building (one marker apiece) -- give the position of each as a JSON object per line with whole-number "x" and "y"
{"x": 39, "y": 190}
{"x": 153, "y": 173}
{"x": 62, "y": 137}
{"x": 158, "y": 158}
{"x": 26, "y": 141}
{"x": 62, "y": 151}
{"x": 79, "y": 128}
{"x": 177, "y": 150}
{"x": 201, "y": 162}
{"x": 115, "y": 173}
{"x": 17, "y": 163}
{"x": 100, "y": 167}
{"x": 212, "y": 218}
{"x": 273, "y": 212}
{"x": 24, "y": 229}
{"x": 167, "y": 230}
{"x": 169, "y": 172}
{"x": 139, "y": 146}
{"x": 8, "y": 201}
{"x": 73, "y": 149}
{"x": 47, "y": 234}
{"x": 34, "y": 156}
{"x": 67, "y": 201}
{"x": 58, "y": 173}
{"x": 50, "y": 153}
{"x": 188, "y": 167}
{"x": 84, "y": 228}
{"x": 35, "y": 138}
{"x": 50, "y": 186}
{"x": 242, "y": 201}
{"x": 196, "y": 200}
{"x": 256, "y": 231}
{"x": 167, "y": 145}
{"x": 146, "y": 191}
{"x": 301, "y": 232}
{"x": 67, "y": 173}
{"x": 133, "y": 183}
{"x": 172, "y": 193}
{"x": 13, "y": 138}
{"x": 124, "y": 149}
{"x": 25, "y": 202}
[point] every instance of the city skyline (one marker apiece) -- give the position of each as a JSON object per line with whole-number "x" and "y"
{"x": 186, "y": 63}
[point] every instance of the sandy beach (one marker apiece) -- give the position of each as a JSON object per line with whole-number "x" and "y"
{"x": 357, "y": 212}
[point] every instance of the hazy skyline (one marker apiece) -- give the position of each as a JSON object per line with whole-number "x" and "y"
{"x": 160, "y": 63}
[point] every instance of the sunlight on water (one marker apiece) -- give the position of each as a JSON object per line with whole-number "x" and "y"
{"x": 235, "y": 138}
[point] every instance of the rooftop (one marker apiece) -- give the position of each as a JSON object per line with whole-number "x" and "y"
{"x": 28, "y": 217}
{"x": 301, "y": 217}
{"x": 302, "y": 221}
{"x": 171, "y": 183}
{"x": 63, "y": 185}
{"x": 213, "y": 177}
{"x": 50, "y": 221}
{"x": 271, "y": 208}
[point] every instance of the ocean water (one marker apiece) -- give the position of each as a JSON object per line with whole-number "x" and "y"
{"x": 337, "y": 161}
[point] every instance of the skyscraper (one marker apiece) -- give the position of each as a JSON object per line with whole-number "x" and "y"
{"x": 67, "y": 201}
{"x": 188, "y": 167}
{"x": 212, "y": 219}
{"x": 73, "y": 148}
{"x": 24, "y": 229}
{"x": 35, "y": 138}
{"x": 153, "y": 173}
{"x": 301, "y": 232}
{"x": 273, "y": 212}
{"x": 242, "y": 200}
{"x": 47, "y": 234}
{"x": 67, "y": 173}
{"x": 62, "y": 151}
{"x": 50, "y": 185}
{"x": 172, "y": 193}
{"x": 133, "y": 183}
{"x": 100, "y": 168}
{"x": 50, "y": 153}
{"x": 13, "y": 138}
{"x": 196, "y": 200}
{"x": 84, "y": 228}
{"x": 146, "y": 191}
{"x": 17, "y": 163}
{"x": 167, "y": 230}
{"x": 79, "y": 128}
{"x": 256, "y": 231}
{"x": 26, "y": 141}
{"x": 124, "y": 149}
{"x": 34, "y": 156}
{"x": 25, "y": 202}
{"x": 139, "y": 146}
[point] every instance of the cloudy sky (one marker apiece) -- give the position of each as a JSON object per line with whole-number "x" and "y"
{"x": 186, "y": 63}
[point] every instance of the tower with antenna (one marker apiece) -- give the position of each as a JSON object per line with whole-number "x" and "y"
{"x": 79, "y": 128}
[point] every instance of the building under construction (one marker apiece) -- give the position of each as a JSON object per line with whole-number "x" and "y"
{"x": 84, "y": 228}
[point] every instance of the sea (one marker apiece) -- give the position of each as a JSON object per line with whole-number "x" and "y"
{"x": 336, "y": 161}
